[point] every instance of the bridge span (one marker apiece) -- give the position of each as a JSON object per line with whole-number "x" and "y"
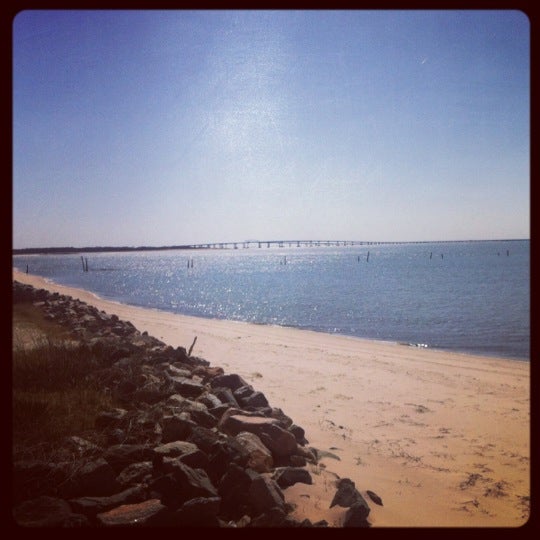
{"x": 279, "y": 243}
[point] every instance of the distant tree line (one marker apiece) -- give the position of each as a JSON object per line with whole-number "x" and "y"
{"x": 67, "y": 250}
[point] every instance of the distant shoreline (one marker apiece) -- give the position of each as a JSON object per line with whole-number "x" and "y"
{"x": 108, "y": 249}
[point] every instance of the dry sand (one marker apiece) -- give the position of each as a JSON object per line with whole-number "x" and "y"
{"x": 442, "y": 438}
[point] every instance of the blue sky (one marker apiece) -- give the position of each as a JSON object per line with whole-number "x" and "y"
{"x": 176, "y": 127}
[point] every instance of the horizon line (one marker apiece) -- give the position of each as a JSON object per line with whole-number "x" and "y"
{"x": 245, "y": 243}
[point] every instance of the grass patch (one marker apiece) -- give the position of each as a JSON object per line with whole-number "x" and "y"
{"x": 55, "y": 393}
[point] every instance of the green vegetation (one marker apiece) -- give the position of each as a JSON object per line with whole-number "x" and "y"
{"x": 55, "y": 393}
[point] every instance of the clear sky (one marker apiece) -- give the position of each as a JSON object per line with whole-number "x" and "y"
{"x": 160, "y": 128}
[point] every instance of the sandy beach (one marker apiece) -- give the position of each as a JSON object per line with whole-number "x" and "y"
{"x": 442, "y": 438}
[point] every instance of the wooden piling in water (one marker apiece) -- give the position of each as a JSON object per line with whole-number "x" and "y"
{"x": 367, "y": 258}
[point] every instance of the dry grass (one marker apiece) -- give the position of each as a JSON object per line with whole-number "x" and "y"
{"x": 54, "y": 391}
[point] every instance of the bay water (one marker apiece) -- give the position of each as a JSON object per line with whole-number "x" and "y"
{"x": 469, "y": 297}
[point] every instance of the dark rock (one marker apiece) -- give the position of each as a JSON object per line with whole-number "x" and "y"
{"x": 135, "y": 473}
{"x": 243, "y": 392}
{"x": 198, "y": 512}
{"x": 259, "y": 457}
{"x": 347, "y": 495}
{"x": 226, "y": 451}
{"x": 225, "y": 395}
{"x": 297, "y": 461}
{"x": 356, "y": 515}
{"x": 121, "y": 455}
{"x": 186, "y": 387}
{"x": 233, "y": 423}
{"x": 150, "y": 512}
{"x": 257, "y": 399}
{"x": 47, "y": 511}
{"x": 204, "y": 438}
{"x": 283, "y": 420}
{"x": 193, "y": 482}
{"x": 210, "y": 400}
{"x": 196, "y": 459}
{"x": 231, "y": 381}
{"x": 374, "y": 497}
{"x": 176, "y": 427}
{"x": 279, "y": 441}
{"x": 110, "y": 419}
{"x": 299, "y": 434}
{"x": 264, "y": 493}
{"x": 288, "y": 476}
{"x": 204, "y": 419}
{"x": 175, "y": 448}
{"x": 234, "y": 490}
{"x": 273, "y": 517}
{"x": 93, "y": 478}
{"x": 90, "y": 506}
{"x": 207, "y": 372}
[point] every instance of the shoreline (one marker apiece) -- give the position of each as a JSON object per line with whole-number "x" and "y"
{"x": 49, "y": 282}
{"x": 442, "y": 437}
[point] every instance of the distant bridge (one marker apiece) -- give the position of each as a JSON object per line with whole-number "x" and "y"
{"x": 280, "y": 243}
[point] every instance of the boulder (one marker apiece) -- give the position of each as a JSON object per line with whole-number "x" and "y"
{"x": 288, "y": 476}
{"x": 356, "y": 515}
{"x": 198, "y": 512}
{"x": 175, "y": 448}
{"x": 231, "y": 381}
{"x": 260, "y": 458}
{"x": 121, "y": 455}
{"x": 176, "y": 427}
{"x": 90, "y": 506}
{"x": 264, "y": 494}
{"x": 347, "y": 495}
{"x": 135, "y": 473}
{"x": 150, "y": 512}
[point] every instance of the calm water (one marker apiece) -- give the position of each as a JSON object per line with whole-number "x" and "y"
{"x": 474, "y": 298}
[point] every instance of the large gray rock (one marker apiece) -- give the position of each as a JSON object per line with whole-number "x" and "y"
{"x": 260, "y": 458}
